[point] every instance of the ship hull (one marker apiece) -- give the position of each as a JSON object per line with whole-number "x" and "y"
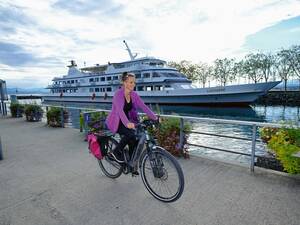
{"x": 230, "y": 95}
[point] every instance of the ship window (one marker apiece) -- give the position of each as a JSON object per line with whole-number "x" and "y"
{"x": 64, "y": 82}
{"x": 96, "y": 79}
{"x": 102, "y": 78}
{"x": 108, "y": 89}
{"x": 68, "y": 82}
{"x": 158, "y": 88}
{"x": 155, "y": 74}
{"x": 108, "y": 78}
{"x": 76, "y": 81}
{"x": 137, "y": 75}
{"x": 115, "y": 78}
{"x": 168, "y": 86}
{"x": 91, "y": 89}
{"x": 149, "y": 88}
{"x": 146, "y": 75}
{"x": 91, "y": 79}
{"x": 72, "y": 81}
{"x": 64, "y": 90}
{"x": 96, "y": 89}
{"x": 140, "y": 88}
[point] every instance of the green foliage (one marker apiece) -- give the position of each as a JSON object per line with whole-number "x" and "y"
{"x": 185, "y": 67}
{"x": 54, "y": 117}
{"x": 16, "y": 109}
{"x": 168, "y": 136}
{"x": 97, "y": 121}
{"x": 33, "y": 112}
{"x": 286, "y": 142}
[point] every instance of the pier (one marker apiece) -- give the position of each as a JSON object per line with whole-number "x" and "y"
{"x": 47, "y": 176}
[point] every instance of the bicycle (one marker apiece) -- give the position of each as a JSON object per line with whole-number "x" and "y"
{"x": 157, "y": 167}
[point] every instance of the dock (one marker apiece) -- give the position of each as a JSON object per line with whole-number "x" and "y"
{"x": 47, "y": 176}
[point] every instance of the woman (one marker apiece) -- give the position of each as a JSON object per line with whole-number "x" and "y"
{"x": 123, "y": 115}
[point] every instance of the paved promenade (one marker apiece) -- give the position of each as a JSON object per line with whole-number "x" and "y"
{"x": 48, "y": 177}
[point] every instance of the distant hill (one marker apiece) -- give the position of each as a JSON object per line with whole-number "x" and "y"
{"x": 26, "y": 90}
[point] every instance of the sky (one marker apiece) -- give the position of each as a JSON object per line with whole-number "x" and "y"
{"x": 40, "y": 37}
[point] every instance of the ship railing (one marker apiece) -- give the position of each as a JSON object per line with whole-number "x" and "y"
{"x": 86, "y": 114}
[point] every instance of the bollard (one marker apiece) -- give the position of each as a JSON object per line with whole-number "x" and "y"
{"x": 1, "y": 155}
{"x": 80, "y": 121}
{"x": 253, "y": 147}
{"x": 62, "y": 117}
{"x": 181, "y": 140}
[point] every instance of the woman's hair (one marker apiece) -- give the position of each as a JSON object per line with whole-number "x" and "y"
{"x": 125, "y": 76}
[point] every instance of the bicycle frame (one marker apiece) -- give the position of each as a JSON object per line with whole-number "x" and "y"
{"x": 144, "y": 139}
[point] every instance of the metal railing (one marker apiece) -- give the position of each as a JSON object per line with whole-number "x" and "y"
{"x": 252, "y": 124}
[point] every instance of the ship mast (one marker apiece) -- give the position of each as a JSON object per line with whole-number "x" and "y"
{"x": 132, "y": 57}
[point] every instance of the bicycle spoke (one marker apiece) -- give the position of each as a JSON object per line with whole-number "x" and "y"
{"x": 166, "y": 182}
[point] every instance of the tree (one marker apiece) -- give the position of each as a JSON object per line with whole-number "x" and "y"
{"x": 294, "y": 57}
{"x": 185, "y": 67}
{"x": 203, "y": 72}
{"x": 284, "y": 65}
{"x": 251, "y": 67}
{"x": 267, "y": 65}
{"x": 224, "y": 70}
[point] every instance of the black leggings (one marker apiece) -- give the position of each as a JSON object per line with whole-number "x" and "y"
{"x": 127, "y": 137}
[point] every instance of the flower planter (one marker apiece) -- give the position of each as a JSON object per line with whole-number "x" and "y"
{"x": 54, "y": 117}
{"x": 33, "y": 113}
{"x": 16, "y": 110}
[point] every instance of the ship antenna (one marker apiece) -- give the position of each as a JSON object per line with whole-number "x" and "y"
{"x": 132, "y": 57}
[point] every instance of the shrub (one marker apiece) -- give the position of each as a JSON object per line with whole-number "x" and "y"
{"x": 97, "y": 121}
{"x": 168, "y": 136}
{"x": 286, "y": 142}
{"x": 267, "y": 132}
{"x": 33, "y": 112}
{"x": 16, "y": 109}
{"x": 54, "y": 117}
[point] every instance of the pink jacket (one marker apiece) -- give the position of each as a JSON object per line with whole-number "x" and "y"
{"x": 117, "y": 112}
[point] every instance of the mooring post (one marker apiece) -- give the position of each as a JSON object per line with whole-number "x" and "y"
{"x": 62, "y": 117}
{"x": 253, "y": 147}
{"x": 181, "y": 140}
{"x": 80, "y": 121}
{"x": 1, "y": 155}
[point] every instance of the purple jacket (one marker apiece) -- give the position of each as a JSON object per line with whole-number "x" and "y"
{"x": 117, "y": 112}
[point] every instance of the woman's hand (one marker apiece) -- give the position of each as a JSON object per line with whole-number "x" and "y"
{"x": 130, "y": 125}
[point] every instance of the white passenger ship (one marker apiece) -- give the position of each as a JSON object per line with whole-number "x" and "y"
{"x": 155, "y": 82}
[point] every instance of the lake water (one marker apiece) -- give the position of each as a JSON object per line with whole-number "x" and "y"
{"x": 259, "y": 113}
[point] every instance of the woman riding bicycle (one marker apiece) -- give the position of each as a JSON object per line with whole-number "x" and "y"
{"x": 123, "y": 115}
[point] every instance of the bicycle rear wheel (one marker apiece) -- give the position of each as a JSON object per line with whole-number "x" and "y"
{"x": 109, "y": 166}
{"x": 162, "y": 175}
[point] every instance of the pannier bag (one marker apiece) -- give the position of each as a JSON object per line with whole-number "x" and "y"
{"x": 94, "y": 146}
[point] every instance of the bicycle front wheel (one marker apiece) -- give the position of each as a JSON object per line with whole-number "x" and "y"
{"x": 109, "y": 166}
{"x": 162, "y": 175}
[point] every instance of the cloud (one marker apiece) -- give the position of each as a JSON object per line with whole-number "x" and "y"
{"x": 14, "y": 55}
{"x": 286, "y": 32}
{"x": 80, "y": 7}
